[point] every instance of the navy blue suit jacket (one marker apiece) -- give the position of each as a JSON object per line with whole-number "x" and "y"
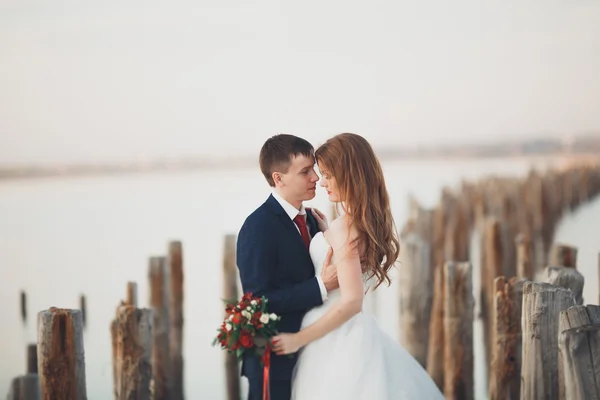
{"x": 274, "y": 262}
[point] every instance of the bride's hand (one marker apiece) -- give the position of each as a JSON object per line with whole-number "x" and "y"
{"x": 321, "y": 219}
{"x": 286, "y": 343}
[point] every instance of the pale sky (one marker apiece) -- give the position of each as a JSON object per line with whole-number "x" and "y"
{"x": 108, "y": 80}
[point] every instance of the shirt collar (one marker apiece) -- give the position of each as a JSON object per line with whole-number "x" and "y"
{"x": 289, "y": 209}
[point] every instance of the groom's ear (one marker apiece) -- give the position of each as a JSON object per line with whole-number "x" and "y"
{"x": 277, "y": 178}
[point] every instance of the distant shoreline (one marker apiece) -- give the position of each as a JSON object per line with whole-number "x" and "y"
{"x": 201, "y": 164}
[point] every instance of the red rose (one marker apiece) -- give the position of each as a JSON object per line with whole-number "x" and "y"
{"x": 237, "y": 318}
{"x": 246, "y": 340}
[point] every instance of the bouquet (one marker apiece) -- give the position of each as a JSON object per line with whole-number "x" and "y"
{"x": 248, "y": 328}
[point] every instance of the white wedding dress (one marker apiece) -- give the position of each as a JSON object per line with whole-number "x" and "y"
{"x": 358, "y": 360}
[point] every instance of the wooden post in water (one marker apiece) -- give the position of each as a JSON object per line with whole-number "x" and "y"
{"x": 83, "y": 308}
{"x": 416, "y": 294}
{"x": 492, "y": 268}
{"x": 131, "y": 297}
{"x": 32, "y": 361}
{"x": 505, "y": 370}
{"x": 579, "y": 344}
{"x": 458, "y": 331}
{"x": 134, "y": 353}
{"x": 159, "y": 302}
{"x": 562, "y": 270}
{"x": 542, "y": 304}
{"x": 61, "y": 356}
{"x": 23, "y": 306}
{"x": 230, "y": 292}
{"x": 524, "y": 262}
{"x": 25, "y": 387}
{"x": 114, "y": 342}
{"x": 435, "y": 354}
{"x": 562, "y": 255}
{"x": 176, "y": 316}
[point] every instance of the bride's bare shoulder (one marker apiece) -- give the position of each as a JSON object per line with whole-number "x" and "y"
{"x": 341, "y": 232}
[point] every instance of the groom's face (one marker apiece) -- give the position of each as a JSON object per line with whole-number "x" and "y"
{"x": 299, "y": 183}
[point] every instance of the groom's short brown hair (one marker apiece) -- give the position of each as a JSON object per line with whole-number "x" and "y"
{"x": 277, "y": 152}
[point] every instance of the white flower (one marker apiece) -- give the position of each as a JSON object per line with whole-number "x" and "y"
{"x": 273, "y": 316}
{"x": 264, "y": 318}
{"x": 230, "y": 317}
{"x": 254, "y": 302}
{"x": 228, "y": 327}
{"x": 246, "y": 314}
{"x": 248, "y": 308}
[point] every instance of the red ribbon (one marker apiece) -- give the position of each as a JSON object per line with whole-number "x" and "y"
{"x": 267, "y": 365}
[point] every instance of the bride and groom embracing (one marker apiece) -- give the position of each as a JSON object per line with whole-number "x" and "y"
{"x": 315, "y": 275}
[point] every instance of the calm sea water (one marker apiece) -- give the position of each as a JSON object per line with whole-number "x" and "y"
{"x": 60, "y": 238}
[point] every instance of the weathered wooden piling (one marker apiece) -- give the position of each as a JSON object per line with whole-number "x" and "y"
{"x": 32, "y": 361}
{"x": 24, "y": 387}
{"x": 159, "y": 303}
{"x": 134, "y": 353}
{"x": 175, "y": 258}
{"x": 579, "y": 344}
{"x": 131, "y": 297}
{"x": 562, "y": 270}
{"x": 505, "y": 370}
{"x": 524, "y": 257}
{"x": 491, "y": 268}
{"x": 61, "y": 356}
{"x": 230, "y": 292}
{"x": 542, "y": 304}
{"x": 27, "y": 387}
{"x": 563, "y": 255}
{"x": 416, "y": 295}
{"x": 458, "y": 331}
{"x": 83, "y": 308}
{"x": 435, "y": 354}
{"x": 23, "y": 306}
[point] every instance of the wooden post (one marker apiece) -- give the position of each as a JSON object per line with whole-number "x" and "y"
{"x": 134, "y": 353}
{"x": 176, "y": 316}
{"x": 32, "y": 361}
{"x": 458, "y": 331}
{"x": 114, "y": 342}
{"x": 159, "y": 302}
{"x": 132, "y": 294}
{"x": 569, "y": 278}
{"x": 416, "y": 294}
{"x": 230, "y": 292}
{"x": 435, "y": 354}
{"x": 579, "y": 344}
{"x": 524, "y": 262}
{"x": 492, "y": 268}
{"x": 23, "y": 306}
{"x": 505, "y": 371}
{"x": 542, "y": 304}
{"x": 25, "y": 387}
{"x": 563, "y": 256}
{"x": 83, "y": 307}
{"x": 61, "y": 356}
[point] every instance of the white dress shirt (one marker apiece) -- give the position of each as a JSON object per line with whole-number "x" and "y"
{"x": 292, "y": 212}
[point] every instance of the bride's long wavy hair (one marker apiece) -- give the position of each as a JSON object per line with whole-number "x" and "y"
{"x": 352, "y": 163}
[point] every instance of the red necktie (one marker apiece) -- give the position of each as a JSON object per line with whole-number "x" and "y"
{"x": 299, "y": 220}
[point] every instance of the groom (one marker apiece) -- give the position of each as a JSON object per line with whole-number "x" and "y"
{"x": 272, "y": 253}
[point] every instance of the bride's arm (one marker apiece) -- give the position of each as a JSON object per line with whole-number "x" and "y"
{"x": 350, "y": 280}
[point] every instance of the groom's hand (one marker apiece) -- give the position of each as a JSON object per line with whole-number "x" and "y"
{"x": 321, "y": 219}
{"x": 329, "y": 273}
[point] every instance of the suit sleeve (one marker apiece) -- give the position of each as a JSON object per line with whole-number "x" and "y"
{"x": 257, "y": 261}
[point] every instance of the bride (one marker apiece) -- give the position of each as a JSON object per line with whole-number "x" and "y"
{"x": 344, "y": 352}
